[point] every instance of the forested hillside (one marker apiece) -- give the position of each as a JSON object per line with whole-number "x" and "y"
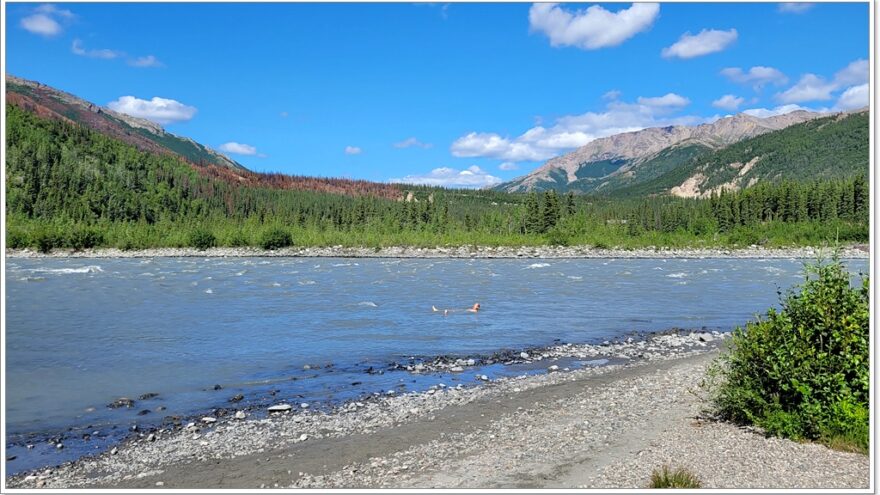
{"x": 69, "y": 186}
{"x": 827, "y": 148}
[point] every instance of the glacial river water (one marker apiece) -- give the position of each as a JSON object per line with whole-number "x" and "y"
{"x": 82, "y": 332}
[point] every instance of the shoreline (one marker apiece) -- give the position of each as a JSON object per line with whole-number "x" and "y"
{"x": 549, "y": 430}
{"x": 461, "y": 372}
{"x": 371, "y": 411}
{"x": 858, "y": 251}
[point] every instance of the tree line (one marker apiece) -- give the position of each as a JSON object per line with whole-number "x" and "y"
{"x": 70, "y": 186}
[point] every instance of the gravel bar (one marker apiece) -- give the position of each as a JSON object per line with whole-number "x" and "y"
{"x": 489, "y": 252}
{"x": 602, "y": 426}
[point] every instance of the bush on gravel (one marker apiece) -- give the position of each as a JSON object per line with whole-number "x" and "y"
{"x": 802, "y": 372}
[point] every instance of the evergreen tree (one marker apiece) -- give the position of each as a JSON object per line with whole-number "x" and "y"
{"x": 550, "y": 210}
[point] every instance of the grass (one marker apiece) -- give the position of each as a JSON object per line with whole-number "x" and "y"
{"x": 665, "y": 477}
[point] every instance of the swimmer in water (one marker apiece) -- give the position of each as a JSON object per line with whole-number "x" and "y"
{"x": 472, "y": 309}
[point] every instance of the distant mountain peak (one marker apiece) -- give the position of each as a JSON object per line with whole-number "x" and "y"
{"x": 635, "y": 146}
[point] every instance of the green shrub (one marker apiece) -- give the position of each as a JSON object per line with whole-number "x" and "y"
{"x": 557, "y": 237}
{"x": 84, "y": 238}
{"x": 16, "y": 239}
{"x": 679, "y": 478}
{"x": 275, "y": 239}
{"x": 202, "y": 239}
{"x": 802, "y": 372}
{"x": 46, "y": 240}
{"x": 237, "y": 239}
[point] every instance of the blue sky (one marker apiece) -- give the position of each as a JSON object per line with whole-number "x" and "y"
{"x": 451, "y": 94}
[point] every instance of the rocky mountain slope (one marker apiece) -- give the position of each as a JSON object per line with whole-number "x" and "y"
{"x": 829, "y": 147}
{"x": 49, "y": 102}
{"x": 622, "y": 159}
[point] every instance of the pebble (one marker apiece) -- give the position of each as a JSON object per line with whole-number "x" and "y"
{"x": 304, "y": 405}
{"x": 240, "y": 415}
{"x": 209, "y": 419}
{"x": 585, "y": 251}
{"x": 280, "y": 408}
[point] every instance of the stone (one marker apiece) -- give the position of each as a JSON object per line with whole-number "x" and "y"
{"x": 553, "y": 368}
{"x": 471, "y": 362}
{"x": 59, "y": 446}
{"x": 304, "y": 405}
{"x": 113, "y": 451}
{"x": 217, "y": 387}
{"x": 148, "y": 396}
{"x": 484, "y": 378}
{"x": 240, "y": 415}
{"x": 456, "y": 369}
{"x": 160, "y": 483}
{"x": 121, "y": 402}
{"x": 236, "y": 398}
{"x": 303, "y": 437}
{"x": 280, "y": 408}
{"x": 524, "y": 355}
{"x": 209, "y": 419}
{"x": 151, "y": 437}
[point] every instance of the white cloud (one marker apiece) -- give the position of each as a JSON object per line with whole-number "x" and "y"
{"x": 763, "y": 113}
{"x": 50, "y": 9}
{"x": 353, "y": 150}
{"x": 666, "y": 101}
{"x": 854, "y": 73}
{"x": 852, "y": 80}
{"x": 147, "y": 61}
{"x": 44, "y": 20}
{"x": 410, "y": 142}
{"x": 809, "y": 88}
{"x": 41, "y": 24}
{"x": 728, "y": 102}
{"x": 758, "y": 76}
{"x": 592, "y": 28}
{"x": 238, "y": 148}
{"x": 572, "y": 131}
{"x": 472, "y": 176}
{"x": 507, "y": 166}
{"x": 853, "y": 98}
{"x": 695, "y": 45}
{"x": 795, "y": 7}
{"x": 612, "y": 95}
{"x": 105, "y": 53}
{"x": 159, "y": 110}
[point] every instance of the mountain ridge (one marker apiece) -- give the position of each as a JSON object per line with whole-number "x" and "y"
{"x": 633, "y": 148}
{"x": 54, "y": 103}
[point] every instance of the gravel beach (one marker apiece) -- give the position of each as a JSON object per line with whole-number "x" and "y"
{"x": 550, "y": 252}
{"x": 599, "y": 426}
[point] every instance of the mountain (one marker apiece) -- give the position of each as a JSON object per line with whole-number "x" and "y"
{"x": 829, "y": 147}
{"x": 52, "y": 103}
{"x": 47, "y": 102}
{"x": 633, "y": 157}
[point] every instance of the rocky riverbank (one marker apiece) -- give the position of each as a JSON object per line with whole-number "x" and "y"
{"x": 855, "y": 251}
{"x": 520, "y": 431}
